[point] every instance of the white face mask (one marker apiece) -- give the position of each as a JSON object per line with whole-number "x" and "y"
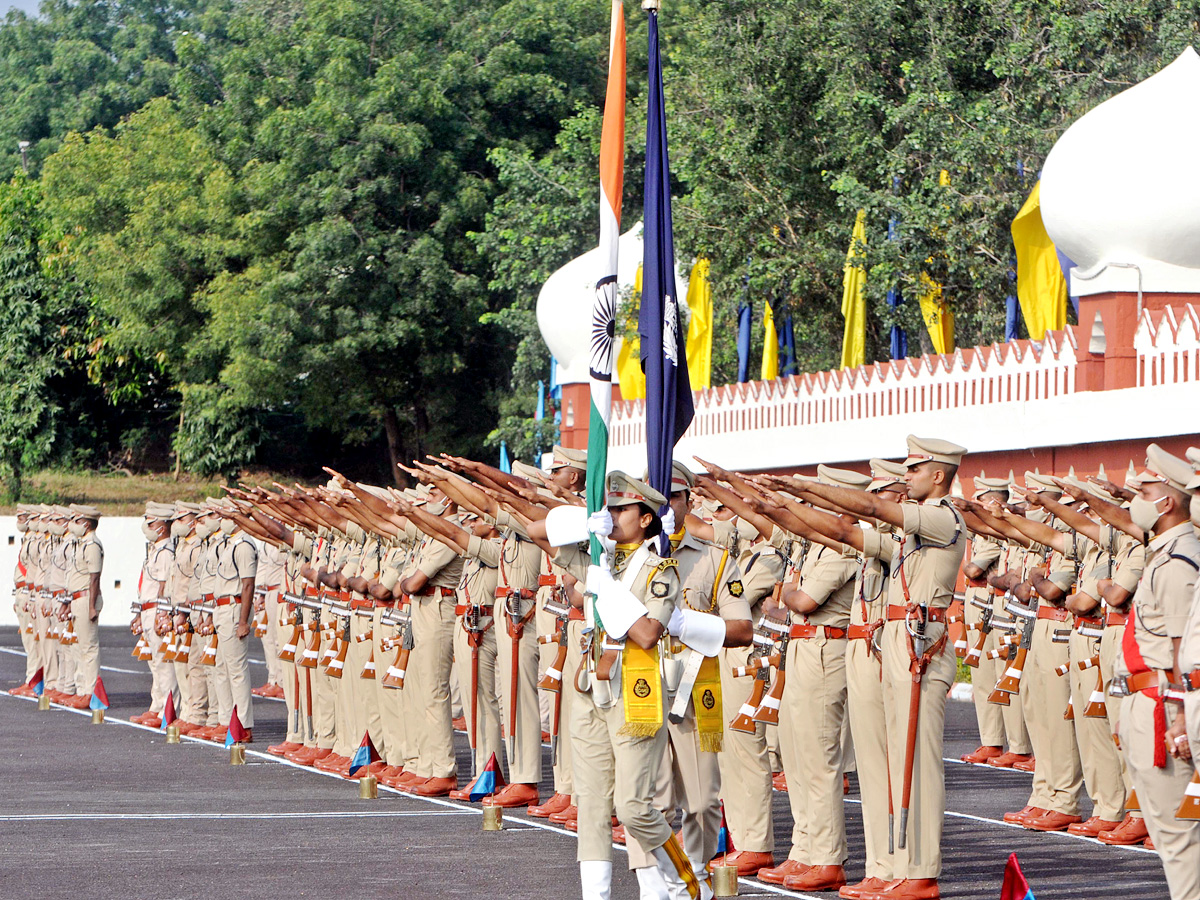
{"x": 77, "y": 528}
{"x": 58, "y": 529}
{"x": 1194, "y": 509}
{"x": 228, "y": 526}
{"x": 22, "y": 526}
{"x": 150, "y": 533}
{"x": 204, "y": 529}
{"x": 179, "y": 528}
{"x": 1145, "y": 513}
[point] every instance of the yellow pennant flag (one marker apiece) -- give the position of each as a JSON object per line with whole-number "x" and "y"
{"x": 629, "y": 363}
{"x": 700, "y": 329}
{"x": 854, "y": 304}
{"x": 1041, "y": 287}
{"x": 770, "y": 359}
{"x": 939, "y": 321}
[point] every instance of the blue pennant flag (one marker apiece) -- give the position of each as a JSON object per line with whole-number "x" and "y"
{"x": 490, "y": 780}
{"x": 669, "y": 408}
{"x": 505, "y": 462}
{"x": 99, "y": 698}
{"x": 38, "y": 683}
{"x": 724, "y": 838}
{"x": 364, "y": 755}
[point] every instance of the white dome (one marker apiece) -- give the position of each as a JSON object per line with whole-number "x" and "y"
{"x": 564, "y": 306}
{"x": 1122, "y": 186}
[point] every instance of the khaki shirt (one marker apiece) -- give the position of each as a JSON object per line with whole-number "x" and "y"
{"x": 1162, "y": 605}
{"x": 271, "y": 561}
{"x": 480, "y": 572}
{"x": 699, "y": 565}
{"x": 657, "y": 585}
{"x": 85, "y": 558}
{"x": 828, "y": 577}
{"x": 1189, "y": 644}
{"x": 871, "y": 579}
{"x": 932, "y": 547}
{"x": 185, "y": 581}
{"x": 156, "y": 571}
{"x": 236, "y": 558}
{"x": 56, "y": 568}
{"x": 441, "y": 564}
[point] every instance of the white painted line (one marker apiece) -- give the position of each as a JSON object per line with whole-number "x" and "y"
{"x": 21, "y": 653}
{"x": 117, "y": 817}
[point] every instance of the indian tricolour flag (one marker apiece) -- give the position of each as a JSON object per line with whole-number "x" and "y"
{"x": 604, "y": 306}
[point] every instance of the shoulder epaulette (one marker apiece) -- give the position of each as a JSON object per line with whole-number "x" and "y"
{"x": 664, "y": 564}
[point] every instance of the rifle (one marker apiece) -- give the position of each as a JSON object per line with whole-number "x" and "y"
{"x": 985, "y": 628}
{"x": 920, "y": 654}
{"x": 516, "y": 631}
{"x": 768, "y": 708}
{"x": 473, "y": 626}
{"x": 1010, "y": 681}
{"x": 762, "y": 659}
{"x": 338, "y": 661}
{"x": 552, "y": 680}
{"x": 394, "y": 678}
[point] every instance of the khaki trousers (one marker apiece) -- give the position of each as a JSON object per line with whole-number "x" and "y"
{"x": 324, "y": 697}
{"x": 275, "y": 674}
{"x": 46, "y": 648}
{"x": 162, "y": 672}
{"x": 233, "y": 668}
{"x": 25, "y": 628}
{"x": 1058, "y": 776}
{"x": 524, "y": 745}
{"x": 922, "y": 855}
{"x": 811, "y": 718}
{"x": 344, "y": 740}
{"x": 1097, "y": 753}
{"x": 487, "y": 708}
{"x": 365, "y": 716}
{"x": 1110, "y": 650}
{"x": 192, "y": 679}
{"x": 85, "y": 651}
{"x": 690, "y": 779}
{"x": 614, "y": 771}
{"x": 744, "y": 763}
{"x": 983, "y": 679}
{"x": 1160, "y": 791}
{"x": 432, "y": 659}
{"x": 395, "y": 751}
{"x": 864, "y": 707}
{"x": 283, "y": 624}
{"x": 564, "y": 783}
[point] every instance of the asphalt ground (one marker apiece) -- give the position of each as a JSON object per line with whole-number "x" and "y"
{"x": 115, "y": 812}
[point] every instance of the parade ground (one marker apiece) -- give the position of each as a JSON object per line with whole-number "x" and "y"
{"x": 115, "y": 812}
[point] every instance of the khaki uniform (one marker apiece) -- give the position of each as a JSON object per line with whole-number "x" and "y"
{"x": 1058, "y": 776}
{"x": 478, "y": 587}
{"x": 84, "y": 558}
{"x": 324, "y": 689}
{"x": 156, "y": 572}
{"x": 549, "y": 582}
{"x": 24, "y": 608}
{"x": 934, "y": 541}
{"x": 1163, "y": 608}
{"x": 864, "y": 701}
{"x": 208, "y": 584}
{"x": 744, "y": 761}
{"x": 56, "y": 583}
{"x": 184, "y": 589}
{"x": 268, "y": 580}
{"x": 613, "y": 769}
{"x": 690, "y": 777}
{"x": 399, "y": 746}
{"x": 1016, "y": 730}
{"x": 345, "y": 558}
{"x": 365, "y": 715}
{"x": 236, "y": 559}
{"x": 985, "y": 554}
{"x": 813, "y": 710}
{"x": 1097, "y": 752}
{"x": 433, "y": 617}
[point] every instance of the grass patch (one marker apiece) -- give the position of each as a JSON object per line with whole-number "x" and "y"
{"x": 118, "y": 494}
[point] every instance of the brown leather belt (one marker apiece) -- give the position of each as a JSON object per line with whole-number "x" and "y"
{"x": 225, "y": 601}
{"x": 384, "y": 604}
{"x": 832, "y": 632}
{"x": 462, "y": 608}
{"x": 547, "y": 581}
{"x": 1191, "y": 680}
{"x": 343, "y": 596}
{"x": 1088, "y": 622}
{"x": 79, "y": 595}
{"x": 150, "y": 604}
{"x": 1116, "y": 618}
{"x": 896, "y": 613}
{"x": 1057, "y": 613}
{"x": 270, "y": 587}
{"x": 310, "y": 592}
{"x": 1141, "y": 681}
{"x": 362, "y": 604}
{"x": 502, "y": 593}
{"x": 209, "y": 598}
{"x": 57, "y": 593}
{"x": 861, "y": 632}
{"x": 574, "y": 614}
{"x": 429, "y": 589}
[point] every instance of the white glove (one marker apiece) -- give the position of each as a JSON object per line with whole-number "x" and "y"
{"x": 600, "y": 523}
{"x": 616, "y": 604}
{"x": 668, "y": 522}
{"x": 703, "y": 632}
{"x": 675, "y": 626}
{"x": 566, "y": 525}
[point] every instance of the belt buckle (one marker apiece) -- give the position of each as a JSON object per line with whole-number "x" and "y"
{"x": 1119, "y": 686}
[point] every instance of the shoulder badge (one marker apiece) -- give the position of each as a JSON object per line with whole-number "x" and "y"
{"x": 658, "y": 589}
{"x": 669, "y": 563}
{"x": 736, "y": 588}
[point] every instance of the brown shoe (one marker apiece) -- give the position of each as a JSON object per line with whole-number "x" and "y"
{"x": 573, "y": 825}
{"x": 276, "y": 692}
{"x": 409, "y": 777}
{"x": 81, "y": 701}
{"x": 546, "y": 737}
{"x": 459, "y": 724}
{"x": 513, "y": 795}
{"x": 1019, "y": 817}
{"x": 618, "y": 834}
{"x": 284, "y": 748}
{"x": 434, "y": 787}
{"x": 982, "y": 755}
{"x": 304, "y": 757}
{"x": 1149, "y": 844}
{"x": 187, "y": 729}
{"x": 818, "y": 878}
{"x": 1008, "y": 760}
{"x": 391, "y": 776}
{"x": 845, "y": 784}
{"x": 780, "y": 873}
{"x": 557, "y": 803}
{"x": 463, "y": 793}
{"x": 1025, "y": 765}
{"x": 261, "y": 691}
{"x": 779, "y": 781}
{"x": 866, "y": 886}
{"x": 748, "y": 862}
{"x": 1131, "y": 831}
{"x": 906, "y": 889}
{"x": 567, "y": 815}
{"x": 1051, "y": 821}
{"x": 249, "y": 738}
{"x": 1092, "y": 827}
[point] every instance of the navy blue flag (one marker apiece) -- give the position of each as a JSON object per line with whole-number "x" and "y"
{"x": 669, "y": 407}
{"x": 743, "y": 342}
